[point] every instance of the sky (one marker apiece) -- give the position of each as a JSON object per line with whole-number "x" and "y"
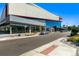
{"x": 69, "y": 12}
{"x": 1, "y": 7}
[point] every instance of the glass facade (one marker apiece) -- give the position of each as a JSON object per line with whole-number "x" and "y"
{"x": 27, "y": 20}
{"x": 50, "y": 24}
{"x": 25, "y": 25}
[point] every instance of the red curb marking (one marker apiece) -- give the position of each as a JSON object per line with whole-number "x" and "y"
{"x": 49, "y": 49}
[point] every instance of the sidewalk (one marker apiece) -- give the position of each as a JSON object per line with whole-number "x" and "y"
{"x": 55, "y": 48}
{"x": 4, "y": 38}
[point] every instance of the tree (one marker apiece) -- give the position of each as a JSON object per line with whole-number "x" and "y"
{"x": 74, "y": 30}
{"x": 69, "y": 28}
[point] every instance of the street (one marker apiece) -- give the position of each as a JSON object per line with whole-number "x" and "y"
{"x": 18, "y": 46}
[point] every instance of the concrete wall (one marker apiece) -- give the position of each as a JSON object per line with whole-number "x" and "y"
{"x": 30, "y": 10}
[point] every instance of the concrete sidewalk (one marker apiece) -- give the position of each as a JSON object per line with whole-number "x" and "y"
{"x": 7, "y": 37}
{"x": 55, "y": 48}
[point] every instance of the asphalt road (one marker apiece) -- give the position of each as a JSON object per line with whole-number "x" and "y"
{"x": 18, "y": 46}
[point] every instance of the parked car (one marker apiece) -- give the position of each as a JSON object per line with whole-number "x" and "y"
{"x": 44, "y": 32}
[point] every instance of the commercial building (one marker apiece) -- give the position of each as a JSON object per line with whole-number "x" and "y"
{"x": 27, "y": 17}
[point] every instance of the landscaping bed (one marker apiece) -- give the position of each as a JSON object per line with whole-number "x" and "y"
{"x": 74, "y": 39}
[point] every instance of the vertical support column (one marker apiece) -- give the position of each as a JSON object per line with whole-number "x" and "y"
{"x": 35, "y": 29}
{"x": 10, "y": 29}
{"x": 45, "y": 29}
{"x": 25, "y": 28}
{"x": 30, "y": 29}
{"x": 50, "y": 29}
{"x": 40, "y": 28}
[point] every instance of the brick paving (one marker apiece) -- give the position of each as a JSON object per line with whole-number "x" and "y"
{"x": 49, "y": 49}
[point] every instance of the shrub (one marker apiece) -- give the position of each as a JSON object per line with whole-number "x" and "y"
{"x": 74, "y": 39}
{"x": 74, "y": 31}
